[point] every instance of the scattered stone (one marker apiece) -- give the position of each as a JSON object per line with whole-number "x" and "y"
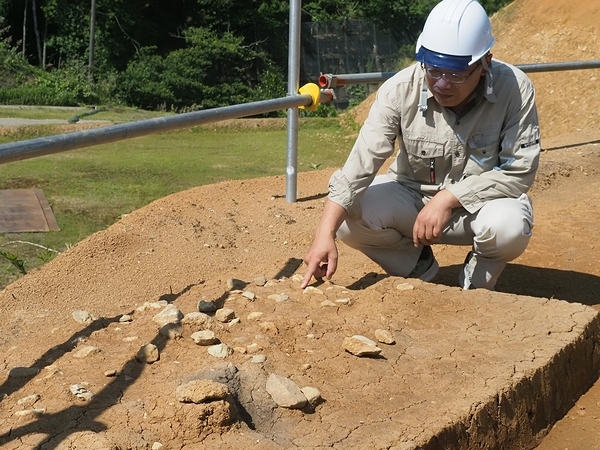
{"x": 312, "y": 290}
{"x": 235, "y": 284}
{"x": 309, "y": 324}
{"x": 313, "y": 395}
{"x": 30, "y": 412}
{"x": 260, "y": 281}
{"x": 204, "y": 337}
{"x": 81, "y": 392}
{"x": 148, "y": 353}
{"x": 125, "y": 318}
{"x": 259, "y": 359}
{"x": 306, "y": 366}
{"x": 86, "y": 351}
{"x": 225, "y": 315}
{"x": 153, "y": 305}
{"x": 297, "y": 277}
{"x": 22, "y": 372}
{"x": 241, "y": 350}
{"x": 285, "y": 392}
{"x": 206, "y": 307}
{"x": 234, "y": 321}
{"x": 81, "y": 316}
{"x": 196, "y": 319}
{"x": 201, "y": 391}
{"x": 111, "y": 373}
{"x": 253, "y": 348}
{"x": 385, "y": 337}
{"x": 405, "y": 287}
{"x": 360, "y": 346}
{"x": 130, "y": 339}
{"x": 170, "y": 314}
{"x": 220, "y": 350}
{"x": 269, "y": 327}
{"x": 327, "y": 303}
{"x": 249, "y": 295}
{"x": 279, "y": 297}
{"x": 157, "y": 446}
{"x": 343, "y": 301}
{"x": 29, "y": 400}
{"x": 171, "y": 331}
{"x": 255, "y": 315}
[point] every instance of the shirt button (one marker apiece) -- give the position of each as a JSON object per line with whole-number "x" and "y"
{"x": 457, "y": 154}
{"x": 423, "y": 152}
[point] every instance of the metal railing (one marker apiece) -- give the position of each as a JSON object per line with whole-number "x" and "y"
{"x": 332, "y": 81}
{"x": 32, "y": 148}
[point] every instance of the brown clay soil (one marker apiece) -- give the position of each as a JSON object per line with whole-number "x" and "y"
{"x": 188, "y": 247}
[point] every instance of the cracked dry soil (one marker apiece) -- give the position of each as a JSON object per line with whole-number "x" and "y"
{"x": 451, "y": 349}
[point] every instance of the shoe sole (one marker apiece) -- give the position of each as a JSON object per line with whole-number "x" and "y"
{"x": 431, "y": 273}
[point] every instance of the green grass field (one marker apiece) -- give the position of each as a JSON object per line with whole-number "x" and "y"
{"x": 90, "y": 188}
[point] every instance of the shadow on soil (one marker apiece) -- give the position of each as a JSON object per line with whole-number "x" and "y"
{"x": 574, "y": 287}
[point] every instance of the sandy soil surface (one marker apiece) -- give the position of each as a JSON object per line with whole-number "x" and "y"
{"x": 79, "y": 336}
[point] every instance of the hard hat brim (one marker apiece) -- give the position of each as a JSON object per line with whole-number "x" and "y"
{"x": 443, "y": 61}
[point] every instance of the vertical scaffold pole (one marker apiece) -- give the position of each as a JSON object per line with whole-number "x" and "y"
{"x": 293, "y": 113}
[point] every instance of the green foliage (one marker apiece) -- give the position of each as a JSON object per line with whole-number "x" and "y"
{"x": 213, "y": 70}
{"x": 17, "y": 262}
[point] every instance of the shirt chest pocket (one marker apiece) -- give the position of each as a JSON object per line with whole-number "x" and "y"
{"x": 425, "y": 160}
{"x": 482, "y": 155}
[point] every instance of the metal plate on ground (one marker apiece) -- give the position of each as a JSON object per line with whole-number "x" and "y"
{"x": 25, "y": 210}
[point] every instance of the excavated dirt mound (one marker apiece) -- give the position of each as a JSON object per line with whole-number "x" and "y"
{"x": 95, "y": 353}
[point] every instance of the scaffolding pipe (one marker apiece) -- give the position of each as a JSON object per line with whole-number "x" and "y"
{"x": 332, "y": 81}
{"x": 293, "y": 115}
{"x": 16, "y": 151}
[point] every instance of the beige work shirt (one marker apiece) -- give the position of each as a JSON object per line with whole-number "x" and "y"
{"x": 491, "y": 151}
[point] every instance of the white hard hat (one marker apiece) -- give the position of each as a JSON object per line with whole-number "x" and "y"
{"x": 457, "y": 33}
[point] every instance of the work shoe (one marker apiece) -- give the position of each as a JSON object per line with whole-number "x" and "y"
{"x": 465, "y": 274}
{"x": 427, "y": 267}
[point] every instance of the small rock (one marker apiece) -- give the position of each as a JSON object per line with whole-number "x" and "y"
{"x": 385, "y": 337}
{"x": 204, "y": 337}
{"x": 312, "y": 290}
{"x": 360, "y": 346}
{"x": 405, "y": 287}
{"x": 327, "y": 303}
{"x": 130, "y": 338}
{"x": 171, "y": 331}
{"x": 269, "y": 327}
{"x": 30, "y": 412}
{"x": 196, "y": 319}
{"x": 225, "y": 315}
{"x": 249, "y": 295}
{"x": 343, "y": 301}
{"x": 279, "y": 297}
{"x": 206, "y": 307}
{"x": 111, "y": 373}
{"x": 29, "y": 400}
{"x": 306, "y": 366}
{"x": 86, "y": 351}
{"x": 157, "y": 446}
{"x": 201, "y": 391}
{"x": 255, "y": 315}
{"x": 170, "y": 314}
{"x": 81, "y": 316}
{"x": 260, "y": 281}
{"x": 313, "y": 395}
{"x": 125, "y": 318}
{"x": 220, "y": 350}
{"x": 22, "y": 372}
{"x": 148, "y": 354}
{"x": 253, "y": 348}
{"x": 235, "y": 284}
{"x": 285, "y": 392}
{"x": 259, "y": 359}
{"x": 81, "y": 392}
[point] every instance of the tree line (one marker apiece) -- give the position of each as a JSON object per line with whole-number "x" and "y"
{"x": 175, "y": 55}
